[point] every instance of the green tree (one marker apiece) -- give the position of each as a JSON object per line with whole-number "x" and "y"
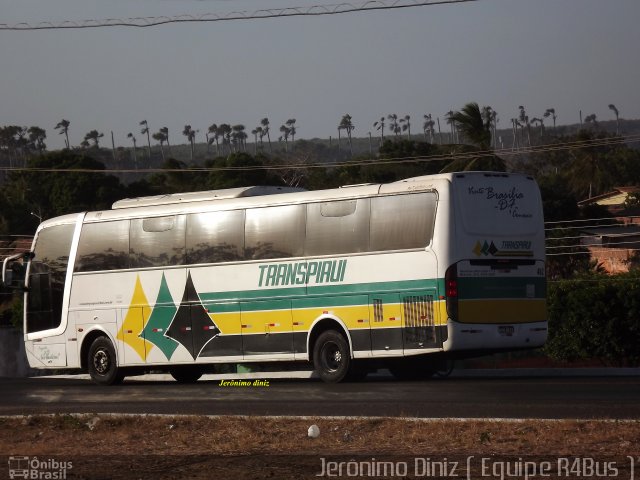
{"x": 37, "y": 137}
{"x": 56, "y": 192}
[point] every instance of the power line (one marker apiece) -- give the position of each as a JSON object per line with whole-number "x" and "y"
{"x": 354, "y": 163}
{"x": 311, "y": 11}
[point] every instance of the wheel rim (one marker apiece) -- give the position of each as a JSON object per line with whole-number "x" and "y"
{"x": 331, "y": 356}
{"x": 101, "y": 361}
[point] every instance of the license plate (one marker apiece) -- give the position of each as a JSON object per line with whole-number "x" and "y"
{"x": 506, "y": 330}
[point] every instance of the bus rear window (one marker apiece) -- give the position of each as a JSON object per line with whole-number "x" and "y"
{"x": 495, "y": 203}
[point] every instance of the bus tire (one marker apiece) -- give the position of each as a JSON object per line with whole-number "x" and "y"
{"x": 331, "y": 357}
{"x": 186, "y": 375}
{"x": 102, "y": 363}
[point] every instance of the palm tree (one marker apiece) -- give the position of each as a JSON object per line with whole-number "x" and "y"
{"x": 213, "y": 136}
{"x": 135, "y": 150}
{"x": 291, "y": 124}
{"x": 145, "y": 131}
{"x": 515, "y": 124}
{"x": 160, "y": 137}
{"x": 191, "y": 135}
{"x": 261, "y": 135}
{"x": 265, "y": 128}
{"x": 224, "y": 130}
{"x": 95, "y": 137}
{"x": 36, "y": 138}
{"x": 393, "y": 123}
{"x": 551, "y": 112}
{"x": 238, "y": 136}
{"x": 613, "y": 108}
{"x": 165, "y": 132}
{"x": 490, "y": 116}
{"x": 285, "y": 135}
{"x": 63, "y": 126}
{"x": 524, "y": 121}
{"x": 406, "y": 125}
{"x": 539, "y": 121}
{"x": 255, "y": 133}
{"x": 379, "y": 125}
{"x": 591, "y": 119}
{"x": 449, "y": 117}
{"x": 347, "y": 124}
{"x": 427, "y": 127}
{"x": 474, "y": 126}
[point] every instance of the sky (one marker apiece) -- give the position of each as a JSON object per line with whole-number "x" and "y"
{"x": 570, "y": 55}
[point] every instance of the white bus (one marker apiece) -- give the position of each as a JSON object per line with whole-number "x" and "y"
{"x": 400, "y": 275}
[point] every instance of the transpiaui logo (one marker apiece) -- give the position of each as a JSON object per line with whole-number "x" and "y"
{"x": 302, "y": 273}
{"x": 36, "y": 468}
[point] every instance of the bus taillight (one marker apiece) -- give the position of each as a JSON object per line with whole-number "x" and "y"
{"x": 451, "y": 291}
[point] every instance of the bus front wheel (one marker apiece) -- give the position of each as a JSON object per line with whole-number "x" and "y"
{"x": 331, "y": 357}
{"x": 102, "y": 362}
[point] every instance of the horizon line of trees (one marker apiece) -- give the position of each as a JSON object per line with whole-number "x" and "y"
{"x": 233, "y": 138}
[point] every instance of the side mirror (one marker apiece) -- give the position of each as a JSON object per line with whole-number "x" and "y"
{"x": 14, "y": 269}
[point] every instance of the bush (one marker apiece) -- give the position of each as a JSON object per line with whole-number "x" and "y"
{"x": 595, "y": 317}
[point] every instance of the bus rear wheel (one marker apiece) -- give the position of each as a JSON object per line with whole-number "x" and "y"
{"x": 331, "y": 357}
{"x": 102, "y": 363}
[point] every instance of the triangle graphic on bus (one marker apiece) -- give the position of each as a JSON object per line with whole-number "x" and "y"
{"x": 134, "y": 322}
{"x": 160, "y": 319}
{"x": 191, "y": 326}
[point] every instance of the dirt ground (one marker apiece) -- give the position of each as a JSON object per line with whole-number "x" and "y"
{"x": 159, "y": 447}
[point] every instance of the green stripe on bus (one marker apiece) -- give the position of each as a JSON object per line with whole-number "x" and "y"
{"x": 503, "y": 287}
{"x": 321, "y": 291}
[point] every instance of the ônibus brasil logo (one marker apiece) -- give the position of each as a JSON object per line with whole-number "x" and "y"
{"x": 35, "y": 468}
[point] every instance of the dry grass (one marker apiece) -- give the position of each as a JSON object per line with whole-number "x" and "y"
{"x": 117, "y": 435}
{"x": 154, "y": 447}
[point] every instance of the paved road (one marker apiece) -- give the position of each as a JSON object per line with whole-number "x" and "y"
{"x": 475, "y": 397}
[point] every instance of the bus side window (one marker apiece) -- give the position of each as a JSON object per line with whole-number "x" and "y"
{"x": 274, "y": 232}
{"x": 103, "y": 246}
{"x": 157, "y": 242}
{"x": 337, "y": 227}
{"x": 214, "y": 237}
{"x": 402, "y": 221}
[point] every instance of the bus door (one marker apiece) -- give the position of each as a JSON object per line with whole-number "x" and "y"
{"x": 419, "y": 320}
{"x": 46, "y": 279}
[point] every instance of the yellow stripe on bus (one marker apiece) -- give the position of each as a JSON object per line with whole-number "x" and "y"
{"x": 300, "y": 320}
{"x": 502, "y": 311}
